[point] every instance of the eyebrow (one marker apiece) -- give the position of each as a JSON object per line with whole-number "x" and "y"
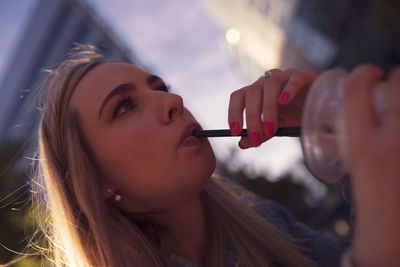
{"x": 126, "y": 87}
{"x": 152, "y": 79}
{"x": 120, "y": 89}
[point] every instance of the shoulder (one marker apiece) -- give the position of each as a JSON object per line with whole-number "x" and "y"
{"x": 319, "y": 247}
{"x": 275, "y": 214}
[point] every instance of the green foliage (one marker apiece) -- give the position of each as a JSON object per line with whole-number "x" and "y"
{"x": 28, "y": 262}
{"x": 16, "y": 222}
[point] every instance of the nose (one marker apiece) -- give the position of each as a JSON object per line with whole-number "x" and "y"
{"x": 172, "y": 108}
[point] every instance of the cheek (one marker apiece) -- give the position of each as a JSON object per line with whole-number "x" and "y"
{"x": 139, "y": 163}
{"x": 150, "y": 169}
{"x": 134, "y": 153}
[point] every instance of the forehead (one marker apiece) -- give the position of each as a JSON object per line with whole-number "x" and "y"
{"x": 99, "y": 81}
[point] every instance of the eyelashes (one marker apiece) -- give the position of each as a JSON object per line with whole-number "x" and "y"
{"x": 163, "y": 87}
{"x": 123, "y": 106}
{"x": 128, "y": 103}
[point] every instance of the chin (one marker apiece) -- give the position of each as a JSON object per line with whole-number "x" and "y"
{"x": 201, "y": 170}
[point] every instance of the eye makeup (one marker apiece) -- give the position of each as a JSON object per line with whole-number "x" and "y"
{"x": 129, "y": 86}
{"x": 123, "y": 88}
{"x": 126, "y": 103}
{"x": 163, "y": 87}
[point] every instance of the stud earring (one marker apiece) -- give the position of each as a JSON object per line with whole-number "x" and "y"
{"x": 116, "y": 196}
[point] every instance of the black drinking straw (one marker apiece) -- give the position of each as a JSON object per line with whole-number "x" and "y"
{"x": 284, "y": 131}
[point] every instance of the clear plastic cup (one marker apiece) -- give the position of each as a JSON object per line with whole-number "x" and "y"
{"x": 323, "y": 128}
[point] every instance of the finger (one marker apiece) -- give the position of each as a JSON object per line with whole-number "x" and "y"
{"x": 235, "y": 111}
{"x": 358, "y": 100}
{"x": 274, "y": 71}
{"x": 360, "y": 120}
{"x": 253, "y": 105}
{"x": 395, "y": 74}
{"x": 393, "y": 98}
{"x": 271, "y": 91}
{"x": 391, "y": 108}
{"x": 269, "y": 73}
{"x": 297, "y": 82}
{"x": 245, "y": 143}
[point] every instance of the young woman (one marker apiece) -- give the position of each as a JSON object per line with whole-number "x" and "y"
{"x": 126, "y": 184}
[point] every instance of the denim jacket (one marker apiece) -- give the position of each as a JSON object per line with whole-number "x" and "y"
{"x": 323, "y": 250}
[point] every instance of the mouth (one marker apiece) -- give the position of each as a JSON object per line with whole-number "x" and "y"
{"x": 187, "y": 137}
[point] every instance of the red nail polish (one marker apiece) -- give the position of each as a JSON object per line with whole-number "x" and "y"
{"x": 284, "y": 97}
{"x": 269, "y": 129}
{"x": 255, "y": 139}
{"x": 234, "y": 127}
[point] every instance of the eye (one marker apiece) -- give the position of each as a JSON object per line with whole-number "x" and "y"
{"x": 163, "y": 87}
{"x": 123, "y": 106}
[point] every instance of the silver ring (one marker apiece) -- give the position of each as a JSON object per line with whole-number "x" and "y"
{"x": 266, "y": 75}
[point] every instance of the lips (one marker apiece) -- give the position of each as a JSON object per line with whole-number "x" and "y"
{"x": 188, "y": 131}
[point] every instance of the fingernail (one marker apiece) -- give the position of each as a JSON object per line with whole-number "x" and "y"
{"x": 255, "y": 139}
{"x": 234, "y": 127}
{"x": 284, "y": 97}
{"x": 268, "y": 129}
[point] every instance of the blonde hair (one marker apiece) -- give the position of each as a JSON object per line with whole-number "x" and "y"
{"x": 81, "y": 230}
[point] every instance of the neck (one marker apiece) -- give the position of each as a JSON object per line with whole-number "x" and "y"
{"x": 190, "y": 231}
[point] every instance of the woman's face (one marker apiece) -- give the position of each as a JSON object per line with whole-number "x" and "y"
{"x": 141, "y": 138}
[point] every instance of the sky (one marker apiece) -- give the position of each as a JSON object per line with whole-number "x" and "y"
{"x": 13, "y": 16}
{"x": 182, "y": 43}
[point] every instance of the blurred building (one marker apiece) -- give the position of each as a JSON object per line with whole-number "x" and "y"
{"x": 362, "y": 30}
{"x": 53, "y": 28}
{"x": 311, "y": 34}
{"x": 308, "y": 34}
{"x": 257, "y": 35}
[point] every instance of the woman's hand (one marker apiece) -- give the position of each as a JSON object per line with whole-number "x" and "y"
{"x": 273, "y": 101}
{"x": 374, "y": 152}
